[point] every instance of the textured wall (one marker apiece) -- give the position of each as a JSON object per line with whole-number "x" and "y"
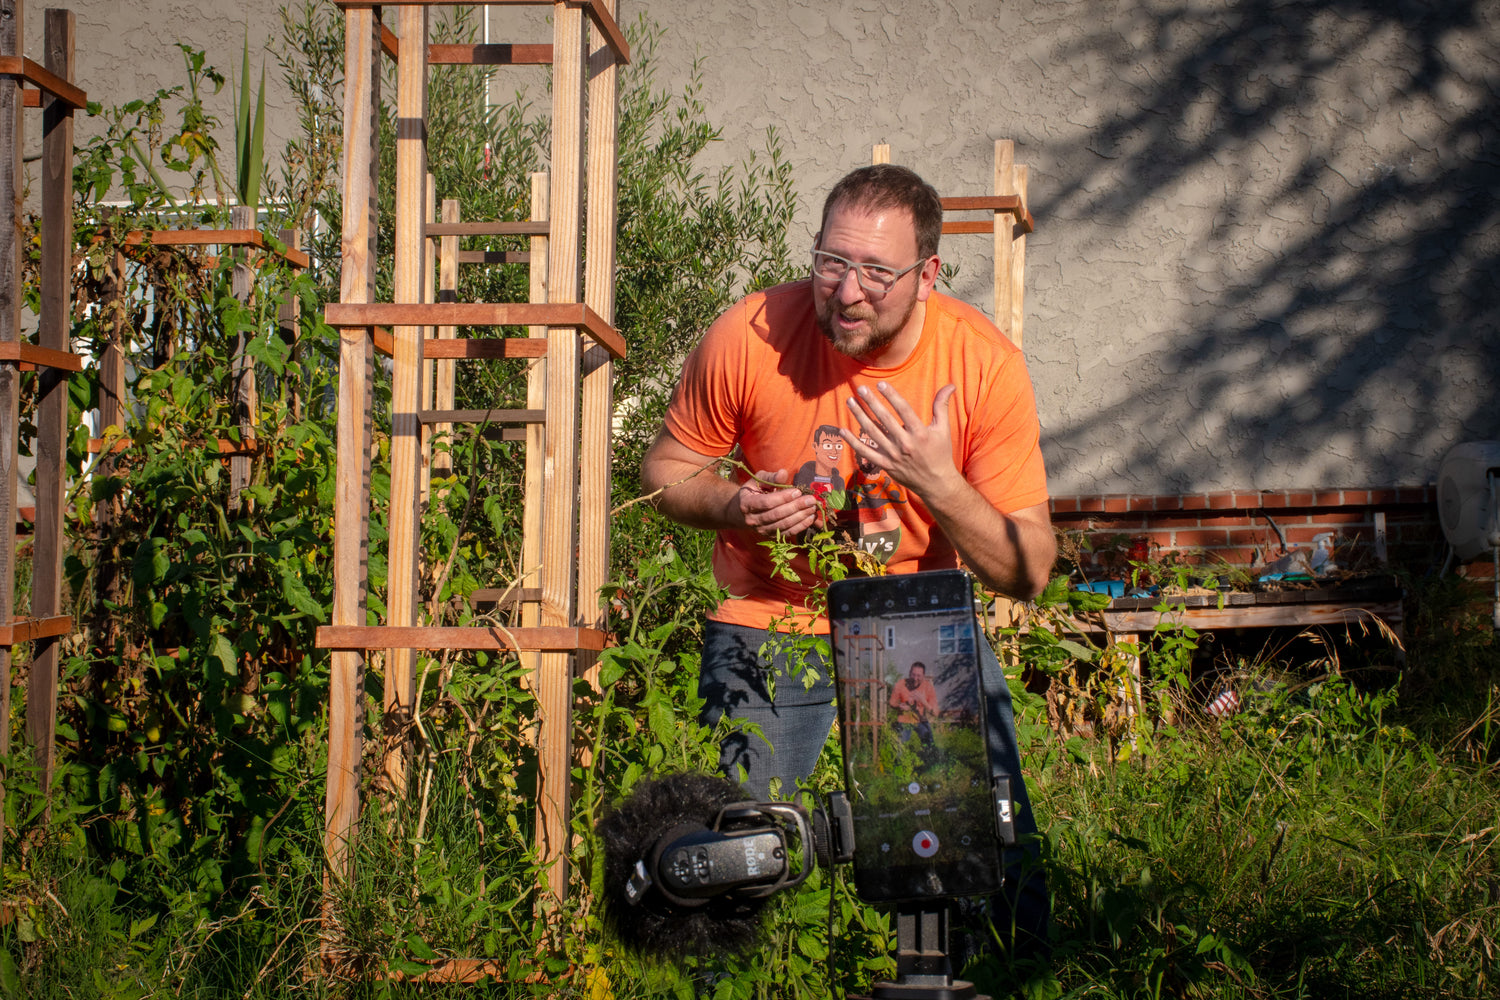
{"x": 126, "y": 49}
{"x": 1267, "y": 242}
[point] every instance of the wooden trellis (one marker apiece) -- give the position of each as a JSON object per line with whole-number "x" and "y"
{"x": 53, "y": 92}
{"x": 566, "y": 550}
{"x": 1010, "y": 221}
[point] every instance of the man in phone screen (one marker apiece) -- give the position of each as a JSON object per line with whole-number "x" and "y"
{"x": 921, "y": 387}
{"x": 916, "y": 703}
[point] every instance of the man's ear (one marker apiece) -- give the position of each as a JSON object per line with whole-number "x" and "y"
{"x": 927, "y": 277}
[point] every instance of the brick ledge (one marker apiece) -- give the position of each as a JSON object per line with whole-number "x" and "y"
{"x": 1230, "y": 503}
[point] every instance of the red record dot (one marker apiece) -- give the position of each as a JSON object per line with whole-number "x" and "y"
{"x": 925, "y": 844}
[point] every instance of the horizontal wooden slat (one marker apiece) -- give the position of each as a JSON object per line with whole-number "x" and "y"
{"x": 994, "y": 203}
{"x": 30, "y": 629}
{"x": 982, "y": 226}
{"x": 484, "y": 349}
{"x": 213, "y": 237}
{"x": 463, "y": 970}
{"x": 31, "y": 355}
{"x": 545, "y": 639}
{"x": 990, "y": 202}
{"x": 483, "y": 416}
{"x": 596, "y": 12}
{"x": 494, "y": 228}
{"x": 226, "y": 447}
{"x": 467, "y": 348}
{"x": 1257, "y": 616}
{"x": 45, "y": 79}
{"x": 506, "y": 596}
{"x": 494, "y": 257}
{"x": 502, "y": 54}
{"x": 372, "y": 314}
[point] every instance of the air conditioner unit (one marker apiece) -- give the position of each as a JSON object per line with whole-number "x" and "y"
{"x": 1468, "y": 491}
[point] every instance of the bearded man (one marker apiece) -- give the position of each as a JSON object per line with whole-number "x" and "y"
{"x": 922, "y": 387}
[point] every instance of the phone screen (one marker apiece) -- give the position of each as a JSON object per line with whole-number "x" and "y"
{"x": 911, "y": 717}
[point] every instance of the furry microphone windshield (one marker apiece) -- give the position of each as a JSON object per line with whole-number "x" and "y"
{"x": 655, "y": 926}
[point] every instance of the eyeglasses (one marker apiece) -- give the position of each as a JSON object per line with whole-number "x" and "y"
{"x": 875, "y": 279}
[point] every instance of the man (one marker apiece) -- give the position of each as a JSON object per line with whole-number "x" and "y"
{"x": 920, "y": 386}
{"x": 916, "y": 703}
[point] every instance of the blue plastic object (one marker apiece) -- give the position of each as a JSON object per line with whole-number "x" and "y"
{"x": 1114, "y": 588}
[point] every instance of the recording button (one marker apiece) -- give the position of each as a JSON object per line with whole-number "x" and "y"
{"x": 925, "y": 843}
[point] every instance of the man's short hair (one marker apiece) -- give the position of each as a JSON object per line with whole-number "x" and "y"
{"x": 823, "y": 431}
{"x": 886, "y": 185}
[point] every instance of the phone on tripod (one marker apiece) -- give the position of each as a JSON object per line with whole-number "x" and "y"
{"x": 912, "y": 723}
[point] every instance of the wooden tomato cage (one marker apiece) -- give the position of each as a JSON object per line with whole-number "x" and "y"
{"x": 52, "y": 91}
{"x": 566, "y": 423}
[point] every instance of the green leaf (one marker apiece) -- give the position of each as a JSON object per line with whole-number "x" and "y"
{"x": 221, "y": 649}
{"x": 10, "y": 976}
{"x": 297, "y": 595}
{"x": 419, "y": 948}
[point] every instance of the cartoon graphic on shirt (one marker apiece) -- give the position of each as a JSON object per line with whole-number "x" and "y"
{"x": 821, "y": 475}
{"x": 870, "y": 514}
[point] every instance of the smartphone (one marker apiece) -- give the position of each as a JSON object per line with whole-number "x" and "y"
{"x": 912, "y": 724}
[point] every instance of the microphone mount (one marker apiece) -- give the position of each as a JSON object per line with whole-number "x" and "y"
{"x": 746, "y": 853}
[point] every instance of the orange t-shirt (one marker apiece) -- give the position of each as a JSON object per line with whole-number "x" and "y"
{"x": 765, "y": 380}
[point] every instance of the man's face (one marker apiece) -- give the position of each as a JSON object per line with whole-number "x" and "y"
{"x": 916, "y": 675}
{"x": 858, "y": 323}
{"x": 829, "y": 451}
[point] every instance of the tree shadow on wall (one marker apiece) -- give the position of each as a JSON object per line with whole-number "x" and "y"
{"x": 1343, "y": 306}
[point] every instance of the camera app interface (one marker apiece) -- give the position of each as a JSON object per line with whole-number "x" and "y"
{"x": 914, "y": 743}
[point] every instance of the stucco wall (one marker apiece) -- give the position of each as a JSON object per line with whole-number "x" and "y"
{"x": 1267, "y": 240}
{"x": 1267, "y": 237}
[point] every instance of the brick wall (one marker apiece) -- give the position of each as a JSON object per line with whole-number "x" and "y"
{"x": 1232, "y": 524}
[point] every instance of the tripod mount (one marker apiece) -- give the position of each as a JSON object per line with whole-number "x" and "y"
{"x": 923, "y": 969}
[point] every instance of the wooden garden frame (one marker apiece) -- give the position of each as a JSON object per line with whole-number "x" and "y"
{"x": 57, "y": 98}
{"x": 567, "y": 501}
{"x": 1010, "y": 221}
{"x": 1009, "y": 200}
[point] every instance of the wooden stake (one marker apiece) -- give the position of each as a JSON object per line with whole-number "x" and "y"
{"x": 406, "y": 387}
{"x": 245, "y": 397}
{"x": 881, "y": 153}
{"x": 1004, "y": 238}
{"x": 54, "y": 322}
{"x": 445, "y": 371}
{"x": 287, "y": 321}
{"x": 598, "y": 368}
{"x": 1018, "y": 257}
{"x": 356, "y": 379}
{"x": 429, "y": 368}
{"x": 11, "y": 182}
{"x": 559, "y": 535}
{"x": 536, "y": 435}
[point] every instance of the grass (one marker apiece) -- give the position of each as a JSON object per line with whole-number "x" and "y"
{"x": 1327, "y": 841}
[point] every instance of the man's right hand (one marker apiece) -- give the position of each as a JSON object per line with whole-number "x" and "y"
{"x": 769, "y": 509}
{"x": 692, "y": 492}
